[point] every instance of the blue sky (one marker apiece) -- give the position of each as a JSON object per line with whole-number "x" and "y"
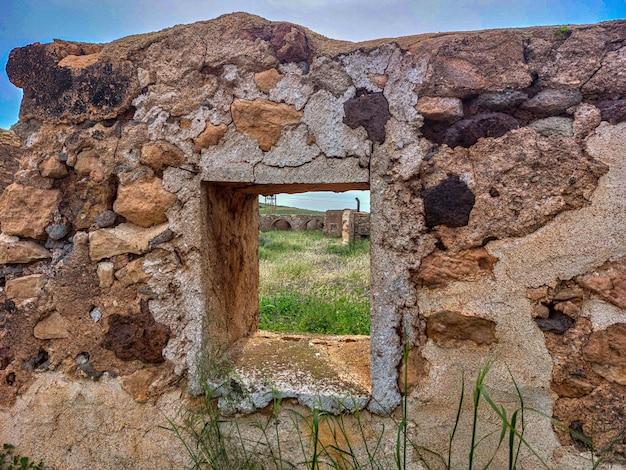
{"x": 23, "y": 22}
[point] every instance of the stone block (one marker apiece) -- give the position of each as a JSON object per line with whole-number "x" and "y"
{"x": 143, "y": 202}
{"x": 27, "y": 211}
{"x": 25, "y": 287}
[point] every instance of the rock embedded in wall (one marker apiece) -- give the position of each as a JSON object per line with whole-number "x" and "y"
{"x": 369, "y": 110}
{"x": 136, "y": 337}
{"x": 443, "y": 267}
{"x": 263, "y": 120}
{"x": 26, "y": 211}
{"x": 450, "y": 328}
{"x": 143, "y": 202}
{"x": 11, "y": 153}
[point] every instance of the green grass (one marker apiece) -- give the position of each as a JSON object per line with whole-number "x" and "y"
{"x": 310, "y": 283}
{"x": 10, "y": 461}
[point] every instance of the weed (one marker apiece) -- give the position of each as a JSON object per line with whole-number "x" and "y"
{"x": 10, "y": 461}
{"x": 319, "y": 441}
{"x": 562, "y": 33}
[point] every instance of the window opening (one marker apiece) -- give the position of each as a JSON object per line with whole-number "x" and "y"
{"x": 314, "y": 264}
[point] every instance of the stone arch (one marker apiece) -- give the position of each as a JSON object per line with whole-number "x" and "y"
{"x": 281, "y": 224}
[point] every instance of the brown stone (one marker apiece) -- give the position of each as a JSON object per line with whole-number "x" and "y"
{"x": 210, "y": 136}
{"x": 22, "y": 252}
{"x": 105, "y": 272}
{"x": 124, "y": 238}
{"x": 102, "y": 90}
{"x": 78, "y": 61}
{"x": 161, "y": 154}
{"x": 442, "y": 267}
{"x": 25, "y": 287}
{"x": 586, "y": 118}
{"x": 451, "y": 327}
{"x": 143, "y": 202}
{"x": 85, "y": 199}
{"x": 440, "y": 109}
{"x": 86, "y": 162}
{"x": 53, "y": 168}
{"x": 540, "y": 311}
{"x": 449, "y": 203}
{"x": 136, "y": 337}
{"x": 515, "y": 193}
{"x": 537, "y": 293}
{"x": 290, "y": 43}
{"x": 11, "y": 153}
{"x": 552, "y": 102}
{"x": 51, "y": 327}
{"x": 466, "y": 132}
{"x": 568, "y": 308}
{"x": 26, "y": 211}
{"x": 609, "y": 82}
{"x": 371, "y": 111}
{"x": 609, "y": 282}
{"x": 573, "y": 387}
{"x": 607, "y": 351}
{"x": 267, "y": 79}
{"x": 263, "y": 120}
{"x": 132, "y": 273}
{"x": 379, "y": 80}
{"x": 138, "y": 384}
{"x": 460, "y": 65}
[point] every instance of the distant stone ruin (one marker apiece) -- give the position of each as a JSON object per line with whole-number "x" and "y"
{"x": 129, "y": 248}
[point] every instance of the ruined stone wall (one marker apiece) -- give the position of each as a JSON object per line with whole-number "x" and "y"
{"x": 296, "y": 223}
{"x": 496, "y": 166}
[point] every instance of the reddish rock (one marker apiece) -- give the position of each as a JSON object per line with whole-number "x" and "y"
{"x": 609, "y": 82}
{"x": 451, "y": 327}
{"x": 290, "y": 43}
{"x": 26, "y": 211}
{"x": 138, "y": 384}
{"x": 370, "y": 110}
{"x": 51, "y": 327}
{"x": 267, "y": 79}
{"x": 25, "y": 287}
{"x": 466, "y": 132}
{"x": 143, "y": 202}
{"x": 161, "y": 154}
{"x": 16, "y": 251}
{"x": 53, "y": 168}
{"x": 86, "y": 162}
{"x": 210, "y": 136}
{"x": 132, "y": 273}
{"x": 609, "y": 282}
{"x": 442, "y": 267}
{"x": 136, "y": 337}
{"x": 6, "y": 357}
{"x": 264, "y": 120}
{"x": 78, "y": 61}
{"x": 440, "y": 109}
{"x": 607, "y": 351}
{"x": 612, "y": 111}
